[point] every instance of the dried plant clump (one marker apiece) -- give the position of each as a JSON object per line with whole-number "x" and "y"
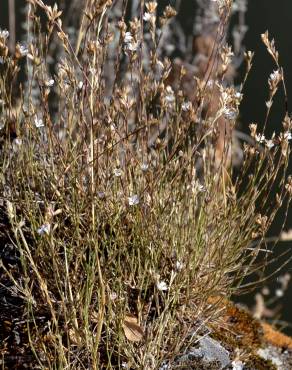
{"x": 118, "y": 184}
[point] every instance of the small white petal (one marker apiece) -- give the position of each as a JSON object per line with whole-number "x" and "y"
{"x": 147, "y": 17}
{"x": 38, "y": 122}
{"x": 16, "y": 144}
{"x": 113, "y": 296}
{"x": 210, "y": 83}
{"x": 238, "y": 95}
{"x": 144, "y": 167}
{"x": 270, "y": 144}
{"x": 201, "y": 188}
{"x": 23, "y": 50}
{"x": 230, "y": 114}
{"x": 117, "y": 172}
{"x": 44, "y": 229}
{"x": 49, "y": 83}
{"x": 186, "y": 106}
{"x": 260, "y": 138}
{"x": 133, "y": 200}
{"x": 162, "y": 286}
{"x": 4, "y": 34}
{"x": 179, "y": 265}
{"x": 128, "y": 37}
{"x": 133, "y": 46}
{"x": 275, "y": 75}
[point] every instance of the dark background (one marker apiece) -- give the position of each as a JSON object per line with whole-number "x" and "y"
{"x": 276, "y": 17}
{"x": 262, "y": 15}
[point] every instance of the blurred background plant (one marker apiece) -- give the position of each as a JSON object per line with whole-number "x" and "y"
{"x": 129, "y": 198}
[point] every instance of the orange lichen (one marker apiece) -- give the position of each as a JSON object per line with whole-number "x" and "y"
{"x": 243, "y": 330}
{"x": 248, "y": 331}
{"x": 275, "y": 337}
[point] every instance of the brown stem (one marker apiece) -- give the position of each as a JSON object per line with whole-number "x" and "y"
{"x": 11, "y": 9}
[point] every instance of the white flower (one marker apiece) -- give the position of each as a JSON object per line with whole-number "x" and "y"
{"x": 113, "y": 296}
{"x": 210, "y": 83}
{"x": 117, "y": 172}
{"x": 179, "y": 265}
{"x": 80, "y": 85}
{"x": 4, "y": 34}
{"x": 169, "y": 97}
{"x": 275, "y": 75}
{"x": 16, "y": 144}
{"x": 133, "y": 200}
{"x": 270, "y": 144}
{"x": 162, "y": 286}
{"x": 186, "y": 106}
{"x": 133, "y": 46}
{"x": 147, "y": 17}
{"x": 279, "y": 293}
{"x": 230, "y": 114}
{"x": 238, "y": 95}
{"x": 144, "y": 167}
{"x": 93, "y": 70}
{"x": 128, "y": 38}
{"x": 17, "y": 141}
{"x": 201, "y": 188}
{"x": 260, "y": 138}
{"x": 288, "y": 135}
{"x": 38, "y": 122}
{"x": 49, "y": 83}
{"x": 23, "y": 50}
{"x": 165, "y": 366}
{"x": 44, "y": 229}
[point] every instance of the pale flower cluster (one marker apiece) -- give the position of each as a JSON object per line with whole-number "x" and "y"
{"x": 130, "y": 43}
{"x": 4, "y": 34}
{"x": 133, "y": 200}
{"x": 230, "y": 100}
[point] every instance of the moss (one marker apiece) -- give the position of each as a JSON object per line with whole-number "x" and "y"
{"x": 242, "y": 330}
{"x": 255, "y": 362}
{"x": 248, "y": 334}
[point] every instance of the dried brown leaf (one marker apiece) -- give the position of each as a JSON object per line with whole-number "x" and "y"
{"x": 74, "y": 336}
{"x": 132, "y": 330}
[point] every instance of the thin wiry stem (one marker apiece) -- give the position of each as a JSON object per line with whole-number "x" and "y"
{"x": 12, "y": 31}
